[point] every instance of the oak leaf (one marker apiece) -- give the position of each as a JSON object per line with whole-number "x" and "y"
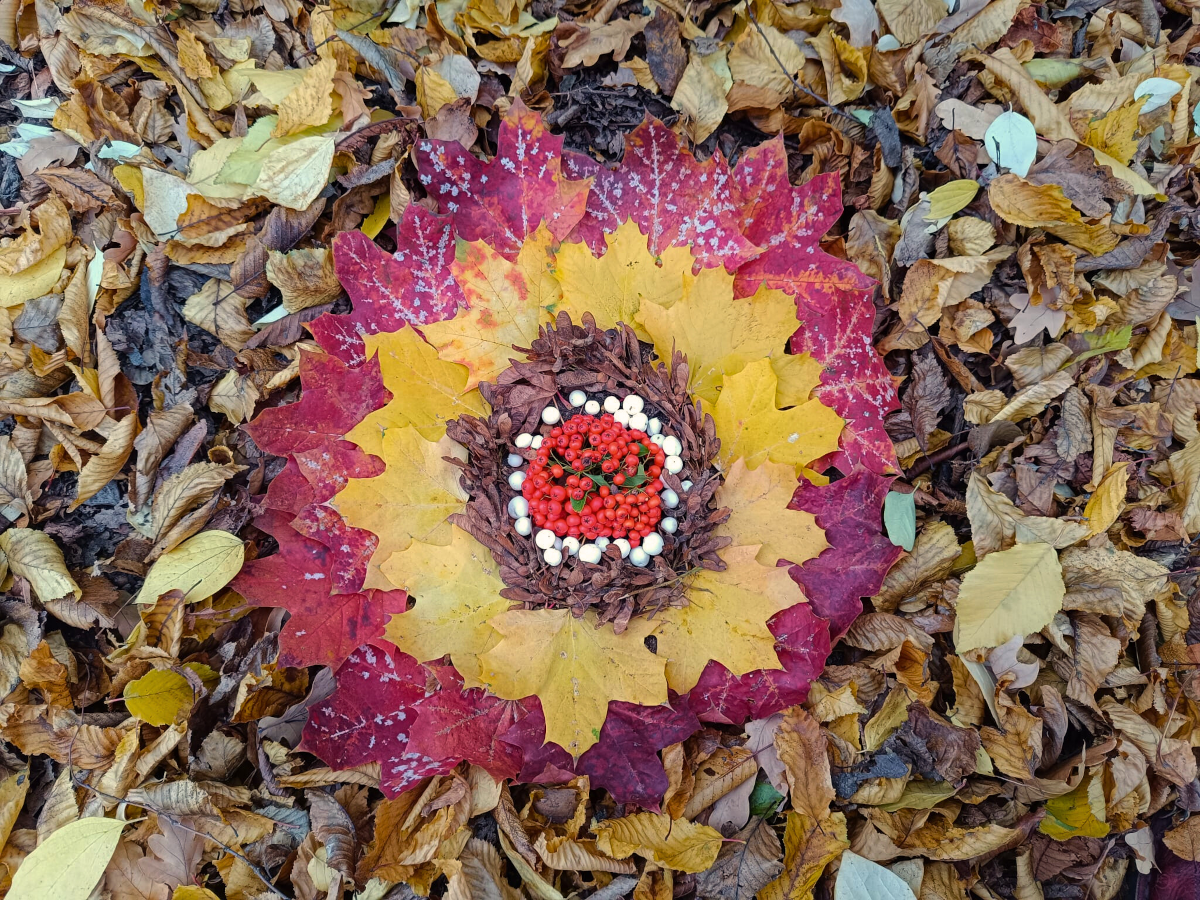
{"x": 574, "y": 668}
{"x": 758, "y": 502}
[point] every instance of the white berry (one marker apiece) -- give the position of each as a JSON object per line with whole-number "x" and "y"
{"x": 621, "y": 417}
{"x": 551, "y": 415}
{"x": 674, "y": 465}
{"x": 523, "y": 526}
{"x": 523, "y": 440}
{"x": 592, "y": 407}
{"x": 590, "y": 553}
{"x": 668, "y": 525}
{"x": 552, "y": 557}
{"x": 537, "y": 441}
{"x": 622, "y": 545}
{"x": 671, "y": 446}
{"x": 602, "y": 542}
{"x": 545, "y": 539}
{"x": 571, "y": 545}
{"x": 557, "y": 543}
{"x": 653, "y": 543}
{"x": 516, "y": 459}
{"x": 638, "y": 422}
{"x": 516, "y": 480}
{"x": 577, "y": 398}
{"x": 611, "y": 404}
{"x": 639, "y": 557}
{"x": 518, "y": 507}
{"x": 657, "y": 439}
{"x": 687, "y": 486}
{"x": 669, "y": 498}
{"x": 633, "y": 404}
{"x": 654, "y": 427}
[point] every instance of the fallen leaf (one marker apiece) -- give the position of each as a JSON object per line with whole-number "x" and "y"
{"x": 1009, "y": 592}
{"x": 70, "y": 863}
{"x": 199, "y": 567}
{"x": 675, "y": 843}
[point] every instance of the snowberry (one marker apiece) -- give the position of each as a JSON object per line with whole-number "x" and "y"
{"x": 674, "y": 465}
{"x": 639, "y": 557}
{"x": 552, "y": 557}
{"x": 670, "y": 499}
{"x": 633, "y": 404}
{"x": 544, "y": 539}
{"x": 611, "y": 404}
{"x": 621, "y": 417}
{"x": 523, "y": 526}
{"x": 551, "y": 415}
{"x": 516, "y": 480}
{"x": 687, "y": 486}
{"x": 592, "y": 408}
{"x": 602, "y": 542}
{"x": 518, "y": 507}
{"x": 653, "y": 543}
{"x": 523, "y": 440}
{"x": 515, "y": 459}
{"x": 590, "y": 553}
{"x": 654, "y": 427}
{"x": 668, "y": 525}
{"x": 638, "y": 422}
{"x": 537, "y": 442}
{"x": 672, "y": 446}
{"x": 578, "y": 398}
{"x": 657, "y": 440}
{"x": 622, "y": 545}
{"x": 571, "y": 545}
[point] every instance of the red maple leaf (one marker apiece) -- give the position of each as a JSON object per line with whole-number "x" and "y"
{"x": 370, "y": 716}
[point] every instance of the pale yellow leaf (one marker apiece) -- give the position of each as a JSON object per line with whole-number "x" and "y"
{"x": 199, "y": 567}
{"x": 1009, "y": 593}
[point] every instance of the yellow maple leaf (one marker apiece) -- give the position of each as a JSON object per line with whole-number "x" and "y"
{"x": 627, "y": 277}
{"x": 507, "y": 302}
{"x": 574, "y": 668}
{"x": 725, "y": 619}
{"x": 758, "y": 502}
{"x": 797, "y": 375}
{"x": 427, "y": 392}
{"x": 675, "y": 843}
{"x": 720, "y": 334}
{"x": 456, "y": 590}
{"x": 409, "y": 501}
{"x": 752, "y": 428}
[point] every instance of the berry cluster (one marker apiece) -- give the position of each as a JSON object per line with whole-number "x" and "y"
{"x": 594, "y": 477}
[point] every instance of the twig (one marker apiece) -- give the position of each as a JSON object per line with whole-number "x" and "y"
{"x": 925, "y": 463}
{"x": 808, "y": 92}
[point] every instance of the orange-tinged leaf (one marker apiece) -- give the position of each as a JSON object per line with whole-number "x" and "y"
{"x": 427, "y": 392}
{"x": 456, "y": 591}
{"x": 409, "y": 501}
{"x": 725, "y": 619}
{"x": 626, "y": 279}
{"x": 675, "y": 843}
{"x": 751, "y": 428}
{"x": 574, "y": 668}
{"x": 508, "y": 301}
{"x": 758, "y": 501}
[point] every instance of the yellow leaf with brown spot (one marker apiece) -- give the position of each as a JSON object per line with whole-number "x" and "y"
{"x": 574, "y": 668}
{"x": 674, "y": 843}
{"x": 751, "y": 428}
{"x": 409, "y": 501}
{"x": 507, "y": 302}
{"x": 725, "y": 619}
{"x": 456, "y": 590}
{"x": 625, "y": 280}
{"x": 427, "y": 392}
{"x": 758, "y": 500}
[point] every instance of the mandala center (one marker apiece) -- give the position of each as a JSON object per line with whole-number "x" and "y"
{"x": 595, "y": 477}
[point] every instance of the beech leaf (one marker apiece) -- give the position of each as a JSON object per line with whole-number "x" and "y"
{"x": 69, "y": 863}
{"x": 1008, "y": 593}
{"x": 860, "y": 879}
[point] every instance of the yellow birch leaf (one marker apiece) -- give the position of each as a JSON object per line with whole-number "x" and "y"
{"x": 427, "y": 392}
{"x": 751, "y": 428}
{"x": 507, "y": 302}
{"x": 758, "y": 500}
{"x": 1009, "y": 593}
{"x": 675, "y": 843}
{"x": 809, "y": 845}
{"x": 409, "y": 501}
{"x": 1108, "y": 499}
{"x": 720, "y": 334}
{"x": 199, "y": 567}
{"x": 457, "y": 590}
{"x": 725, "y": 619}
{"x": 1114, "y": 134}
{"x": 310, "y": 102}
{"x": 1045, "y": 206}
{"x": 159, "y": 698}
{"x": 70, "y": 863}
{"x": 294, "y": 174}
{"x": 574, "y": 668}
{"x": 192, "y": 58}
{"x": 626, "y": 279}
{"x": 952, "y": 197}
{"x": 33, "y": 281}
{"x": 107, "y": 464}
{"x": 35, "y": 557}
{"x": 1079, "y": 813}
{"x": 1185, "y": 475}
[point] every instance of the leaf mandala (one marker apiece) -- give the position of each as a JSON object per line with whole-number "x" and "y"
{"x": 578, "y": 395}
